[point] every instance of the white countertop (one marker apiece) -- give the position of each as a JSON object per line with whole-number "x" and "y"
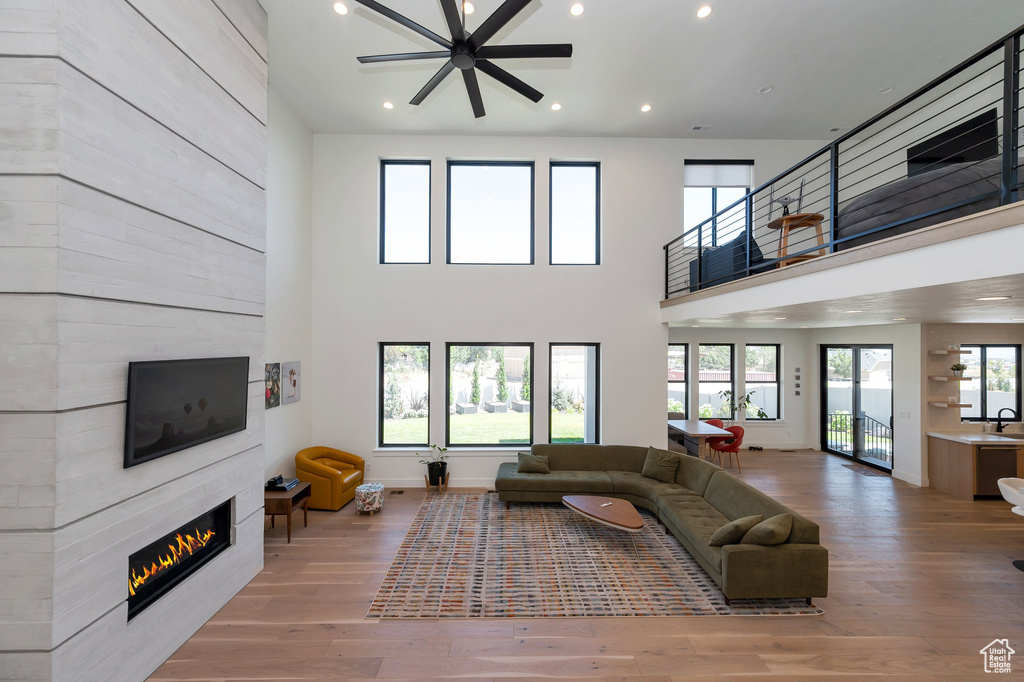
{"x": 975, "y": 438}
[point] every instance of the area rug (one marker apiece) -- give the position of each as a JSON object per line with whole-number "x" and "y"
{"x": 465, "y": 556}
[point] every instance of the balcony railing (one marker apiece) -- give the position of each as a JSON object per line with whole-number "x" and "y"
{"x": 864, "y": 436}
{"x": 948, "y": 150}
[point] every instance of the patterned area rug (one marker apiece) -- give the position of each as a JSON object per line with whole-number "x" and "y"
{"x": 465, "y": 556}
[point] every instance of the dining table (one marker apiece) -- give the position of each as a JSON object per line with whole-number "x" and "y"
{"x": 699, "y": 431}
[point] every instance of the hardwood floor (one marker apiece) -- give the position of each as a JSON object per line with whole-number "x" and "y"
{"x": 919, "y": 583}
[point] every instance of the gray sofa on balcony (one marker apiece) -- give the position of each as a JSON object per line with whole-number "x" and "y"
{"x": 726, "y": 262}
{"x": 693, "y": 506}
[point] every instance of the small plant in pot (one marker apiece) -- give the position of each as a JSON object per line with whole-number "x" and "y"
{"x": 958, "y": 369}
{"x": 437, "y": 467}
{"x": 743, "y": 405}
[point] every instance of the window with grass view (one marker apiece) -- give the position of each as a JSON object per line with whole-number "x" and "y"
{"x": 994, "y": 373}
{"x": 490, "y": 392}
{"x": 677, "y": 378}
{"x": 404, "y": 211}
{"x": 715, "y": 362}
{"x": 575, "y": 213}
{"x": 404, "y": 393}
{"x": 762, "y": 380}
{"x": 575, "y": 390}
{"x": 490, "y": 212}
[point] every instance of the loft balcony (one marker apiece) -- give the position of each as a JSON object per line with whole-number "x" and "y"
{"x": 941, "y": 165}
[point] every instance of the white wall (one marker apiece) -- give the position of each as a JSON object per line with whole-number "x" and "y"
{"x": 358, "y": 303}
{"x": 289, "y": 272}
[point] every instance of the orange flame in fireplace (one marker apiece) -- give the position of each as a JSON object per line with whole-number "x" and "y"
{"x": 180, "y": 547}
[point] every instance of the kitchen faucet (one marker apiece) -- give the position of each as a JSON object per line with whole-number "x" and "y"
{"x": 999, "y": 418}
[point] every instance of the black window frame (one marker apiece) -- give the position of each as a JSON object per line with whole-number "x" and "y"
{"x": 983, "y": 380}
{"x": 597, "y": 386}
{"x": 732, "y": 378}
{"x": 533, "y": 207}
{"x": 380, "y": 394}
{"x": 777, "y": 382}
{"x": 384, "y": 163}
{"x": 686, "y": 372}
{"x": 596, "y": 165}
{"x": 448, "y": 390}
{"x": 714, "y": 189}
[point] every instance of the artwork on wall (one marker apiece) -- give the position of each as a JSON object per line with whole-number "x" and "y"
{"x": 273, "y": 384}
{"x": 291, "y": 377}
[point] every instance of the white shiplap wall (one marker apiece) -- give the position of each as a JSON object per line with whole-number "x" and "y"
{"x": 133, "y": 138}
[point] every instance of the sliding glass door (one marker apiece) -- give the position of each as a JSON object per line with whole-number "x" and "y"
{"x": 856, "y": 403}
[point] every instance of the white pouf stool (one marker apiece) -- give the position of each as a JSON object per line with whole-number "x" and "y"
{"x": 1013, "y": 492}
{"x": 369, "y": 497}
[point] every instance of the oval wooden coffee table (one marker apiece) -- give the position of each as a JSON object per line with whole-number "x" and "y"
{"x": 612, "y": 512}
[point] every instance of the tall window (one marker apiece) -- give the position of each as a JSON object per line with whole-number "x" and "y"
{"x": 404, "y": 211}
{"x": 575, "y": 213}
{"x": 490, "y": 388}
{"x": 995, "y": 381}
{"x": 709, "y": 187}
{"x": 490, "y": 212}
{"x": 575, "y": 389}
{"x": 762, "y": 381}
{"x": 677, "y": 377}
{"x": 715, "y": 362}
{"x": 404, "y": 403}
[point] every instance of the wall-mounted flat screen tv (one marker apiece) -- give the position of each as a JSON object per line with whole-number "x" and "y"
{"x": 974, "y": 140}
{"x": 176, "y": 404}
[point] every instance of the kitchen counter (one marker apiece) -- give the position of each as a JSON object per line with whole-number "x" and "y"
{"x": 974, "y": 438}
{"x": 968, "y": 465}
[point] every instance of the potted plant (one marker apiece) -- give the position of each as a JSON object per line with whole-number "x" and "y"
{"x": 958, "y": 369}
{"x": 437, "y": 467}
{"x": 744, "y": 405}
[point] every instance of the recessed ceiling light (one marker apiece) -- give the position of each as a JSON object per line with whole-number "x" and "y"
{"x": 885, "y": 91}
{"x": 849, "y": 312}
{"x": 645, "y": 108}
{"x": 898, "y": 319}
{"x": 1018, "y": 319}
{"x": 803, "y": 326}
{"x": 576, "y": 9}
{"x": 556, "y": 106}
{"x": 389, "y": 105}
{"x": 340, "y": 8}
{"x": 704, "y": 11}
{"x": 695, "y": 325}
{"x": 766, "y": 89}
{"x": 992, "y": 298}
{"x": 467, "y": 8}
{"x": 778, "y": 318}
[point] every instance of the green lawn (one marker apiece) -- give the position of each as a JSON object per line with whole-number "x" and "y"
{"x": 486, "y": 427}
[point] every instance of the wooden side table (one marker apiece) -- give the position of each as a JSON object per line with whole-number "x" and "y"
{"x": 283, "y": 503}
{"x": 795, "y": 221}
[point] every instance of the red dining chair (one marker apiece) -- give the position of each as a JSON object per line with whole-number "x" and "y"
{"x": 730, "y": 446}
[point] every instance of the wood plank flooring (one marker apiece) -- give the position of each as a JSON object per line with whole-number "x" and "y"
{"x": 920, "y": 582}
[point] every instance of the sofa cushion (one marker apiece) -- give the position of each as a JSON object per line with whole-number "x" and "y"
{"x": 733, "y": 532}
{"x": 694, "y": 473}
{"x": 696, "y": 520}
{"x": 736, "y": 499}
{"x": 629, "y": 483}
{"x": 571, "y": 457}
{"x": 532, "y": 464}
{"x": 660, "y": 465}
{"x": 773, "y": 531}
{"x": 624, "y": 457}
{"x": 568, "y": 482}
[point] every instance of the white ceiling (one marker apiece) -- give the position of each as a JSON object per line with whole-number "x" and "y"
{"x": 827, "y": 60}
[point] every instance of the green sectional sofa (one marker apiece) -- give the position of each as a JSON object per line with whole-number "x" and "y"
{"x": 700, "y": 500}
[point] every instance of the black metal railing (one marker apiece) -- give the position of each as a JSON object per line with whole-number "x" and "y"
{"x": 839, "y": 432}
{"x": 877, "y": 439}
{"x": 949, "y": 149}
{"x": 864, "y": 436}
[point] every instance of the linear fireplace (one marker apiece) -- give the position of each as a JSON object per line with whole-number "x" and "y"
{"x": 158, "y": 567}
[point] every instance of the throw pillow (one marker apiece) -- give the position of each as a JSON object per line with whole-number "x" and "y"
{"x": 773, "y": 531}
{"x": 533, "y": 464}
{"x": 660, "y": 465}
{"x": 732, "y": 532}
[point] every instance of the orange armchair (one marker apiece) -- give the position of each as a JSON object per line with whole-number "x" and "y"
{"x": 333, "y": 476}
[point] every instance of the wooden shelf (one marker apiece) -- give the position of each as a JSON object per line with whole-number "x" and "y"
{"x": 938, "y": 404}
{"x": 942, "y": 377}
{"x": 949, "y": 352}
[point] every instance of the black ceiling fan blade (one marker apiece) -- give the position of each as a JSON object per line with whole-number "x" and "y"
{"x": 473, "y": 88}
{"x": 404, "y": 57}
{"x": 505, "y": 78}
{"x": 405, "y": 21}
{"x": 454, "y": 19}
{"x": 433, "y": 83}
{"x": 494, "y": 23}
{"x": 524, "y": 51}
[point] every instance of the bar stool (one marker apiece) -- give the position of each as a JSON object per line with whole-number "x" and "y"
{"x": 794, "y": 221}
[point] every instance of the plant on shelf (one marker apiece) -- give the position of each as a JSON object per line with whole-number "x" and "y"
{"x": 744, "y": 405}
{"x": 437, "y": 467}
{"x": 958, "y": 369}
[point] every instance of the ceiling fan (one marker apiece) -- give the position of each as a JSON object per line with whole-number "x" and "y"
{"x": 468, "y": 51}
